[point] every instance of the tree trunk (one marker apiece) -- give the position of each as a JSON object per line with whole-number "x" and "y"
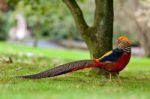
{"x": 146, "y": 43}
{"x": 36, "y": 34}
{"x": 99, "y": 36}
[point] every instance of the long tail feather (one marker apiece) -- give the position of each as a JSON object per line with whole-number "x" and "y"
{"x": 63, "y": 69}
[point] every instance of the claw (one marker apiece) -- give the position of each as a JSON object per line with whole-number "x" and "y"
{"x": 110, "y": 77}
{"x": 118, "y": 78}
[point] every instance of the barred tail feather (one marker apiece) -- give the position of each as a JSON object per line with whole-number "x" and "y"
{"x": 63, "y": 69}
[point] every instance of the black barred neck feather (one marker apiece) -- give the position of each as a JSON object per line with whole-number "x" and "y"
{"x": 125, "y": 46}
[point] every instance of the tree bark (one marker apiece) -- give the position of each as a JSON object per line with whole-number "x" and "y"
{"x": 146, "y": 43}
{"x": 99, "y": 36}
{"x": 102, "y": 29}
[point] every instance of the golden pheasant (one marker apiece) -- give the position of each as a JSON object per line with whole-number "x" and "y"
{"x": 113, "y": 62}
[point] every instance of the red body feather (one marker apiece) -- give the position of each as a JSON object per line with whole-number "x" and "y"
{"x": 116, "y": 66}
{"x": 123, "y": 61}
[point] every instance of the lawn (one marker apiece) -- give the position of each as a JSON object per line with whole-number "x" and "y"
{"x": 78, "y": 85}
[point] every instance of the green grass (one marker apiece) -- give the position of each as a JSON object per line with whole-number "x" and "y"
{"x": 78, "y": 85}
